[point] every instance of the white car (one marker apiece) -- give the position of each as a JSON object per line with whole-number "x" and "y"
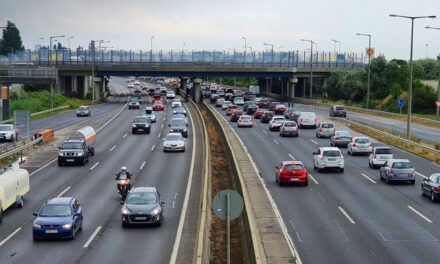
{"x": 136, "y": 83}
{"x": 171, "y": 95}
{"x": 276, "y": 123}
{"x": 239, "y": 101}
{"x": 328, "y": 157}
{"x": 8, "y": 133}
{"x": 379, "y": 156}
{"x": 174, "y": 142}
{"x": 245, "y": 121}
{"x": 176, "y": 103}
{"x": 130, "y": 85}
{"x": 226, "y": 104}
{"x": 325, "y": 129}
{"x": 359, "y": 145}
{"x": 307, "y": 119}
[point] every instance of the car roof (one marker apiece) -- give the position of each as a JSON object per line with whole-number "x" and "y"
{"x": 399, "y": 160}
{"x": 330, "y": 148}
{"x": 361, "y": 137}
{"x": 174, "y": 134}
{"x": 74, "y": 140}
{"x": 60, "y": 200}
{"x": 143, "y": 189}
{"x": 382, "y": 147}
{"x": 292, "y": 162}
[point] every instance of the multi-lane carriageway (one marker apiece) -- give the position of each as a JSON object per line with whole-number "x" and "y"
{"x": 349, "y": 217}
{"x": 103, "y": 240}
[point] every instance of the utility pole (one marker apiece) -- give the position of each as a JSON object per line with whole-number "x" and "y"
{"x": 311, "y": 65}
{"x": 369, "y": 53}
{"x": 245, "y": 47}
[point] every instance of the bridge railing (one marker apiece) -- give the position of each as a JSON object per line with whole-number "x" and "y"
{"x": 263, "y": 59}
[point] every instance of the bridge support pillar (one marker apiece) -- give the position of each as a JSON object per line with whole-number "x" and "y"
{"x": 291, "y": 87}
{"x": 304, "y": 88}
{"x": 196, "y": 90}
{"x": 267, "y": 87}
{"x": 99, "y": 86}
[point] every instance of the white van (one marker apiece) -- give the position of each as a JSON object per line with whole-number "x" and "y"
{"x": 307, "y": 119}
{"x": 14, "y": 184}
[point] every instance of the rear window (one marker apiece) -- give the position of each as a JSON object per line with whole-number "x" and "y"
{"x": 340, "y": 108}
{"x": 232, "y": 106}
{"x": 327, "y": 125}
{"x": 289, "y": 123}
{"x": 332, "y": 153}
{"x": 245, "y": 117}
{"x": 402, "y": 165}
{"x": 343, "y": 134}
{"x": 293, "y": 167}
{"x": 362, "y": 140}
{"x": 383, "y": 151}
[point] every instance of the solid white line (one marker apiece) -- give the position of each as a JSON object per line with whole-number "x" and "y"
{"x": 174, "y": 202}
{"x": 94, "y": 165}
{"x": 264, "y": 131}
{"x": 63, "y": 192}
{"x": 291, "y": 156}
{"x": 313, "y": 179}
{"x": 175, "y": 196}
{"x": 10, "y": 236}
{"x": 113, "y": 148}
{"x": 152, "y": 148}
{"x": 143, "y": 164}
{"x": 314, "y": 142}
{"x": 346, "y": 215}
{"x": 125, "y": 135}
{"x": 421, "y": 175}
{"x": 161, "y": 126}
{"x": 92, "y": 237}
{"x": 276, "y": 142}
{"x": 420, "y": 214}
{"x": 159, "y": 135}
{"x": 368, "y": 178}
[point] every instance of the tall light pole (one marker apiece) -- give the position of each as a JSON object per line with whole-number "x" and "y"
{"x": 271, "y": 45}
{"x": 369, "y": 53}
{"x": 334, "y": 46}
{"x": 426, "y": 49}
{"x": 50, "y": 47}
{"x": 250, "y": 48}
{"x": 38, "y": 41}
{"x": 68, "y": 40}
{"x": 183, "y": 48}
{"x": 311, "y": 65}
{"x": 245, "y": 48}
{"x": 408, "y": 126}
{"x": 102, "y": 41}
{"x": 151, "y": 48}
{"x": 438, "y": 85}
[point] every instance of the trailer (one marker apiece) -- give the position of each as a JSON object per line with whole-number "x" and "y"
{"x": 14, "y": 184}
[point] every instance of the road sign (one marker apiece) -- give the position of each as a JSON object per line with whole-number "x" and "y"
{"x": 400, "y": 103}
{"x": 235, "y": 204}
{"x": 437, "y": 103}
{"x": 370, "y": 51}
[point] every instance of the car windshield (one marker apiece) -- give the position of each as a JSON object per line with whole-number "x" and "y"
{"x": 83, "y": 108}
{"x": 308, "y": 115}
{"x": 289, "y": 123}
{"x": 362, "y": 140}
{"x": 327, "y": 125}
{"x": 173, "y": 137}
{"x": 180, "y": 109}
{"x": 220, "y": 101}
{"x": 343, "y": 134}
{"x": 383, "y": 151}
{"x": 134, "y": 100}
{"x": 232, "y": 107}
{"x": 176, "y": 101}
{"x": 293, "y": 167}
{"x": 72, "y": 145}
{"x": 332, "y": 153}
{"x": 275, "y": 103}
{"x": 245, "y": 117}
{"x": 140, "y": 120}
{"x": 340, "y": 108}
{"x": 281, "y": 106}
{"x": 278, "y": 119}
{"x": 178, "y": 123}
{"x": 141, "y": 198}
{"x": 402, "y": 165}
{"x": 227, "y": 103}
{"x": 157, "y": 97}
{"x": 54, "y": 210}
{"x": 179, "y": 116}
{"x": 5, "y": 128}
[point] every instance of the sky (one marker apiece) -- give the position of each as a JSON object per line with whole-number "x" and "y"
{"x": 221, "y": 25}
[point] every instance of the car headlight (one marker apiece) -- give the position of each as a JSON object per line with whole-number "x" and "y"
{"x": 184, "y": 130}
{"x": 134, "y": 125}
{"x": 60, "y": 154}
{"x": 171, "y": 130}
{"x": 79, "y": 153}
{"x": 125, "y": 211}
{"x": 36, "y": 225}
{"x": 155, "y": 211}
{"x": 67, "y": 226}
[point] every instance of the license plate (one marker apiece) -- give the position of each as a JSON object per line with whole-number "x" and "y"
{"x": 332, "y": 159}
{"x": 70, "y": 160}
{"x": 294, "y": 179}
{"x": 51, "y": 231}
{"x": 140, "y": 218}
{"x": 140, "y": 129}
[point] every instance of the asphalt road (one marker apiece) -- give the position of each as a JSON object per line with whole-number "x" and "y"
{"x": 95, "y": 187}
{"x": 349, "y": 217}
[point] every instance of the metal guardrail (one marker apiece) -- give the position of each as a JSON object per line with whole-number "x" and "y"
{"x": 39, "y": 72}
{"x": 20, "y": 148}
{"x": 39, "y": 113}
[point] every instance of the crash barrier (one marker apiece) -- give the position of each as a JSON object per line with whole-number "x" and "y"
{"x": 21, "y": 148}
{"x": 46, "y": 135}
{"x": 39, "y": 113}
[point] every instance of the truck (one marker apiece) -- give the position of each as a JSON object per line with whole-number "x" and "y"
{"x": 14, "y": 184}
{"x": 254, "y": 89}
{"x": 78, "y": 147}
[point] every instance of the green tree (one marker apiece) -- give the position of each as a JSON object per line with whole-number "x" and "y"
{"x": 11, "y": 40}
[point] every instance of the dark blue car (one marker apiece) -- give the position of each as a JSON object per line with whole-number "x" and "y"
{"x": 58, "y": 218}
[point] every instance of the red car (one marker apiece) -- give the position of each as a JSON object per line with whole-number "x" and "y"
{"x": 259, "y": 113}
{"x": 158, "y": 106}
{"x": 157, "y": 98}
{"x": 236, "y": 115}
{"x": 280, "y": 109}
{"x": 230, "y": 109}
{"x": 291, "y": 172}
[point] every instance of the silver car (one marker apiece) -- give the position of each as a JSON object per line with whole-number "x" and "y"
{"x": 379, "y": 156}
{"x": 83, "y": 110}
{"x": 289, "y": 128}
{"x": 340, "y": 138}
{"x": 174, "y": 142}
{"x": 276, "y": 122}
{"x": 359, "y": 145}
{"x": 239, "y": 101}
{"x": 325, "y": 129}
{"x": 226, "y": 104}
{"x": 245, "y": 121}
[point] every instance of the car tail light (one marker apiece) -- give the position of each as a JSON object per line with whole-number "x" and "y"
{"x": 320, "y": 130}
{"x": 251, "y": 120}
{"x": 336, "y": 138}
{"x": 283, "y": 128}
{"x": 391, "y": 171}
{"x": 301, "y": 120}
{"x": 342, "y": 157}
{"x": 264, "y": 115}
{"x": 392, "y": 155}
{"x": 239, "y": 121}
{"x": 374, "y": 156}
{"x": 321, "y": 158}
{"x": 370, "y": 145}
{"x": 354, "y": 145}
{"x": 316, "y": 119}
{"x": 297, "y": 128}
{"x": 438, "y": 189}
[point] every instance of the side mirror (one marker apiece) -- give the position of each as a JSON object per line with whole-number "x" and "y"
{"x": 162, "y": 203}
{"x": 59, "y": 147}
{"x": 315, "y": 153}
{"x": 77, "y": 214}
{"x": 35, "y": 214}
{"x": 169, "y": 125}
{"x": 121, "y": 202}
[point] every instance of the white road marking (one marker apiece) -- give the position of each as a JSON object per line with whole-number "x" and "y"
{"x": 276, "y": 142}
{"x": 313, "y": 179}
{"x": 63, "y": 192}
{"x": 291, "y": 156}
{"x": 264, "y": 131}
{"x": 152, "y": 148}
{"x": 159, "y": 135}
{"x": 125, "y": 135}
{"x": 174, "y": 202}
{"x": 92, "y": 237}
{"x": 346, "y": 215}
{"x": 175, "y": 196}
{"x": 421, "y": 175}
{"x": 10, "y": 236}
{"x": 420, "y": 214}
{"x": 94, "y": 165}
{"x": 161, "y": 126}
{"x": 143, "y": 164}
{"x": 113, "y": 148}
{"x": 50, "y": 162}
{"x": 314, "y": 142}
{"x": 368, "y": 178}
{"x": 297, "y": 235}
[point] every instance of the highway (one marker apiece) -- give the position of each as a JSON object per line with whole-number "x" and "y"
{"x": 103, "y": 239}
{"x": 349, "y": 217}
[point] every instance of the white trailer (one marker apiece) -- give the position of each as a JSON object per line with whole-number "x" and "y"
{"x": 14, "y": 184}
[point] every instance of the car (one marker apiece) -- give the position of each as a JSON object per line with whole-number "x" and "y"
{"x": 340, "y": 138}
{"x": 328, "y": 157}
{"x": 245, "y": 121}
{"x": 140, "y": 124}
{"x": 258, "y": 113}
{"x": 163, "y": 90}
{"x": 143, "y": 206}
{"x": 264, "y": 103}
{"x": 338, "y": 110}
{"x": 325, "y": 129}
{"x": 83, "y": 110}
{"x": 178, "y": 125}
{"x": 238, "y": 101}
{"x": 249, "y": 97}
{"x": 273, "y": 105}
{"x": 307, "y": 119}
{"x": 398, "y": 170}
{"x": 158, "y": 106}
{"x": 379, "y": 155}
{"x": 431, "y": 186}
{"x": 150, "y": 91}
{"x": 179, "y": 110}
{"x": 176, "y": 103}
{"x": 289, "y": 172}
{"x": 289, "y": 128}
{"x": 130, "y": 85}
{"x": 180, "y": 116}
{"x": 157, "y": 97}
{"x": 219, "y": 102}
{"x": 230, "y": 108}
{"x": 266, "y": 116}
{"x": 149, "y": 114}
{"x": 226, "y": 104}
{"x": 257, "y": 100}
{"x": 214, "y": 98}
{"x": 8, "y": 133}
{"x": 136, "y": 82}
{"x": 221, "y": 92}
{"x": 174, "y": 142}
{"x": 280, "y": 109}
{"x": 229, "y": 96}
{"x": 246, "y": 105}
{"x": 60, "y": 217}
{"x": 276, "y": 122}
{"x": 134, "y": 103}
{"x": 359, "y": 145}
{"x": 292, "y": 113}
{"x": 171, "y": 95}
{"x": 236, "y": 115}
{"x": 251, "y": 109}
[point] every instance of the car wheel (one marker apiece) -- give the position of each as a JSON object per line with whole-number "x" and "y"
{"x": 422, "y": 192}
{"x": 60, "y": 163}
{"x": 124, "y": 225}
{"x": 83, "y": 162}
{"x": 19, "y": 201}
{"x": 133, "y": 131}
{"x": 281, "y": 135}
{"x": 35, "y": 238}
{"x": 306, "y": 183}
{"x": 80, "y": 226}
{"x": 73, "y": 235}
{"x": 369, "y": 164}
{"x": 413, "y": 182}
{"x": 341, "y": 170}
{"x": 433, "y": 199}
{"x": 387, "y": 180}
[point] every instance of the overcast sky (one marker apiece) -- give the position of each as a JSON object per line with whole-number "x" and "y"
{"x": 221, "y": 24}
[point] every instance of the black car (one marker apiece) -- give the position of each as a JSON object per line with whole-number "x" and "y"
{"x": 178, "y": 125}
{"x": 249, "y": 97}
{"x": 236, "y": 115}
{"x": 229, "y": 96}
{"x": 267, "y": 116}
{"x": 251, "y": 109}
{"x": 273, "y": 105}
{"x": 292, "y": 114}
{"x": 214, "y": 98}
{"x": 246, "y": 105}
{"x": 143, "y": 206}
{"x": 140, "y": 124}
{"x": 431, "y": 187}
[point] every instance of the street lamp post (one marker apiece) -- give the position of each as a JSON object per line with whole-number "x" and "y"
{"x": 68, "y": 41}
{"x": 369, "y": 68}
{"x": 408, "y": 126}
{"x": 339, "y": 45}
{"x": 245, "y": 48}
{"x": 311, "y": 64}
{"x": 438, "y": 85}
{"x": 50, "y": 47}
{"x": 271, "y": 45}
